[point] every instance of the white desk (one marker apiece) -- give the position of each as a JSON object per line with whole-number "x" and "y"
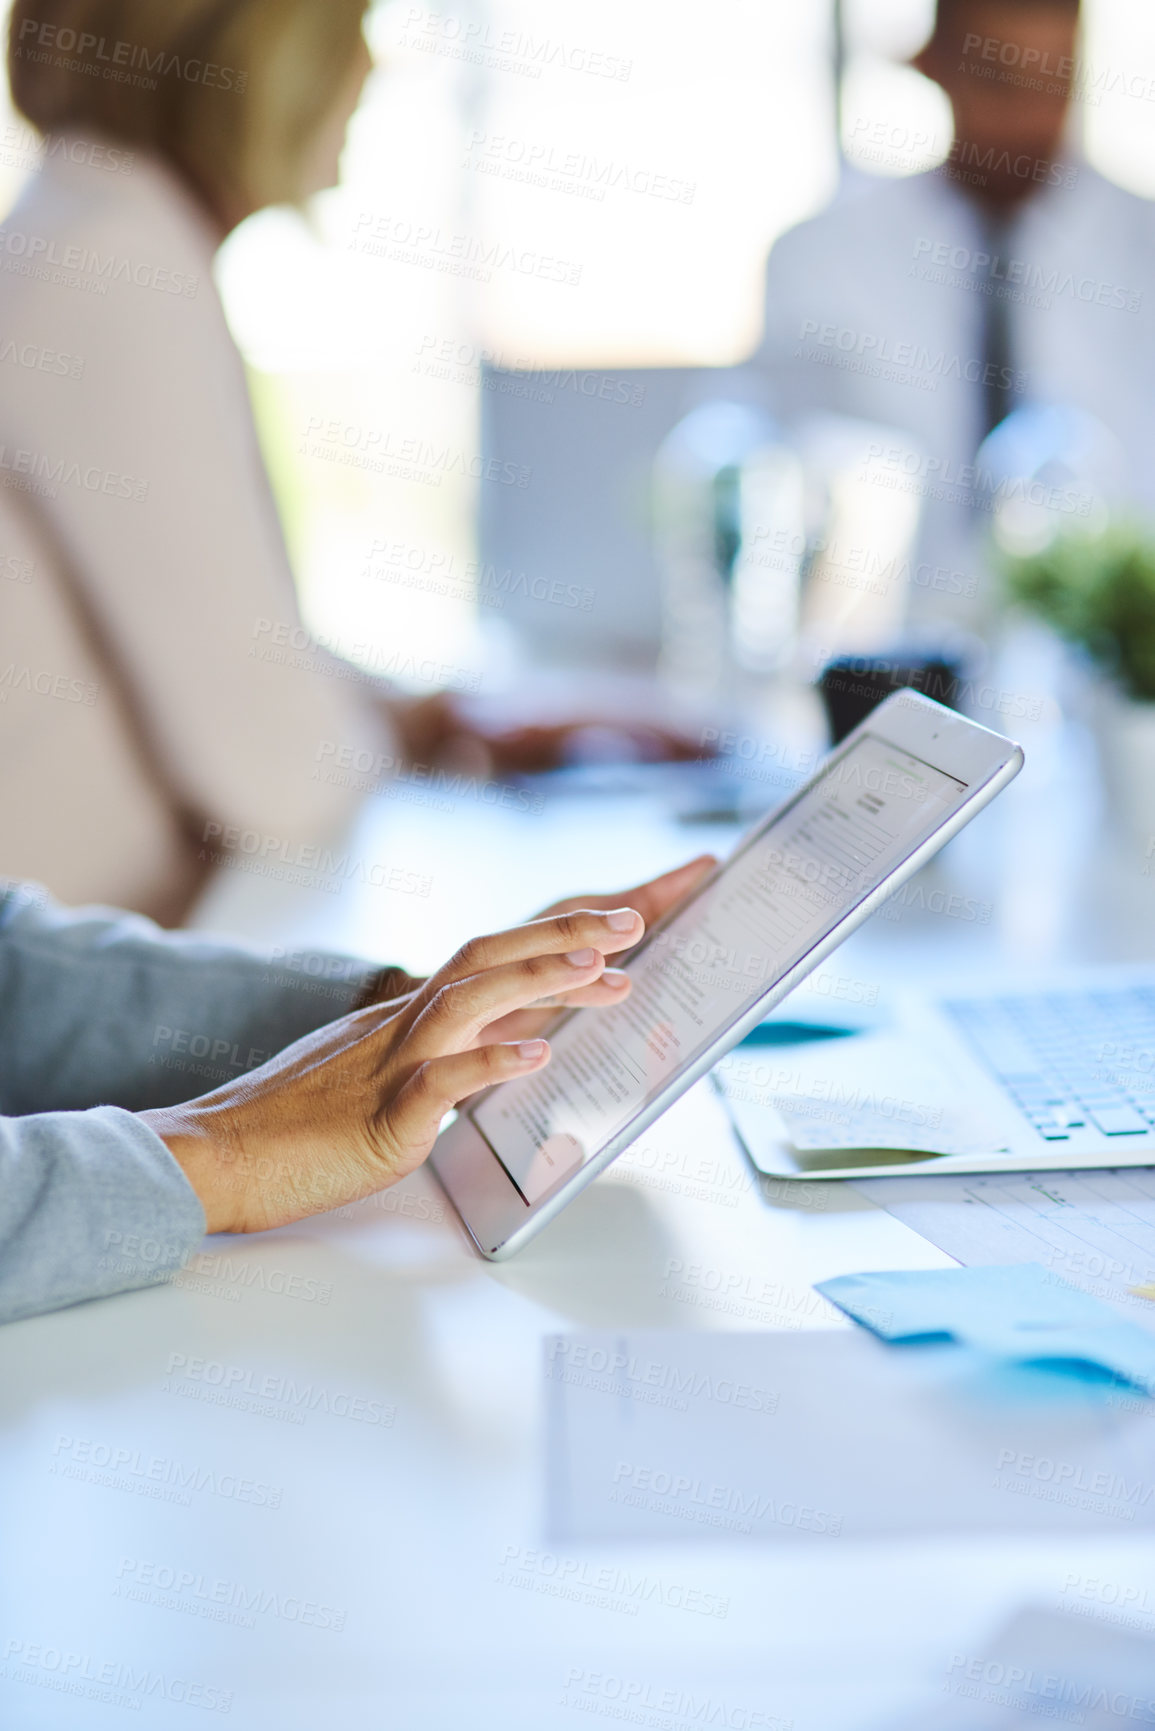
{"x": 418, "y": 1535}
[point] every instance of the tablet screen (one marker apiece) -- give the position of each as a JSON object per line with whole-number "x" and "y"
{"x": 770, "y": 905}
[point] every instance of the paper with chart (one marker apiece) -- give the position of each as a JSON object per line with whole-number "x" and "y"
{"x": 811, "y": 1437}
{"x": 1044, "y": 1667}
{"x": 1095, "y": 1228}
{"x": 761, "y": 916}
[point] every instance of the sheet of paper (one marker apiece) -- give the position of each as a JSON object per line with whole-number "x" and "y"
{"x": 1021, "y": 1311}
{"x": 818, "y": 1437}
{"x": 867, "y": 1091}
{"x": 1096, "y": 1229}
{"x": 1041, "y": 1668}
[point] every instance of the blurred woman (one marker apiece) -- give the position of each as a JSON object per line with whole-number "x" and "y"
{"x": 153, "y": 692}
{"x": 158, "y": 691}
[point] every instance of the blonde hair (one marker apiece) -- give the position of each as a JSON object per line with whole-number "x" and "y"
{"x": 231, "y": 92}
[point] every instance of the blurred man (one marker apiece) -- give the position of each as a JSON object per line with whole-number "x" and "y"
{"x": 1013, "y": 273}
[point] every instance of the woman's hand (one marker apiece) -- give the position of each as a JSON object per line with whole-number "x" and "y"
{"x": 355, "y": 1106}
{"x": 358, "y": 1104}
{"x": 652, "y": 900}
{"x": 445, "y": 728}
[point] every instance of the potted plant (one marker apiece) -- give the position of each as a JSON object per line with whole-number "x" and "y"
{"x": 1098, "y": 592}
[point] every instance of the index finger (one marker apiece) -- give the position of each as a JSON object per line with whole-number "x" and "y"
{"x": 578, "y": 929}
{"x": 652, "y": 899}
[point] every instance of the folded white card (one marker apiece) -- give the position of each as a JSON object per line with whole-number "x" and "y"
{"x": 819, "y": 1436}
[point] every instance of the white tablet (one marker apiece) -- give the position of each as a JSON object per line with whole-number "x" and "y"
{"x": 801, "y": 881}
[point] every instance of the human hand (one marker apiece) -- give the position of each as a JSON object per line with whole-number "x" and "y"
{"x": 537, "y": 746}
{"x": 444, "y": 729}
{"x": 652, "y": 900}
{"x": 358, "y": 1104}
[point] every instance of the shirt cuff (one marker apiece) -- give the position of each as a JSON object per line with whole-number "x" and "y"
{"x": 91, "y": 1203}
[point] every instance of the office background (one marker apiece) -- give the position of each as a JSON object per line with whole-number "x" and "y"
{"x": 589, "y": 188}
{"x": 549, "y": 245}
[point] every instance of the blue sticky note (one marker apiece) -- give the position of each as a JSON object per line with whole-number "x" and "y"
{"x": 794, "y": 1033}
{"x": 1023, "y": 1312}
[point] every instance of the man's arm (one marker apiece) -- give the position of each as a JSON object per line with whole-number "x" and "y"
{"x": 100, "y": 1008}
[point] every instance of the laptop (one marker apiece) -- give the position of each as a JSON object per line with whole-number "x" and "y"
{"x": 1054, "y": 1073}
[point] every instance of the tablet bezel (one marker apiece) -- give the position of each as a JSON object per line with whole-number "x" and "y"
{"x": 494, "y": 1213}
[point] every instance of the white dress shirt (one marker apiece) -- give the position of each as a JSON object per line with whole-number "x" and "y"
{"x": 875, "y": 309}
{"x": 154, "y": 692}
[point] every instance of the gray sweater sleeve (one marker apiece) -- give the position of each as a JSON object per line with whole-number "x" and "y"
{"x": 90, "y": 1203}
{"x": 103, "y": 1015}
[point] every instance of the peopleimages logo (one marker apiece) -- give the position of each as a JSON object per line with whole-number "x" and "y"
{"x": 120, "y": 61}
{"x": 23, "y": 147}
{"x": 380, "y": 235}
{"x": 1048, "y": 280}
{"x": 1049, "y": 1693}
{"x": 112, "y": 1681}
{"x": 1071, "y": 1483}
{"x": 648, "y": 1378}
{"x": 483, "y": 43}
{"x": 34, "y": 357}
{"x": 38, "y": 472}
{"x": 39, "y": 252}
{"x": 1124, "y": 1603}
{"x": 219, "y": 1600}
{"x": 237, "y": 1384}
{"x": 380, "y": 772}
{"x": 726, "y": 1506}
{"x": 635, "y": 1701}
{"x": 381, "y": 450}
{"x": 606, "y": 1585}
{"x": 544, "y": 164}
{"x": 910, "y": 362}
{"x": 438, "y": 573}
{"x": 156, "y": 1476}
{"x": 248, "y": 849}
{"x": 39, "y": 682}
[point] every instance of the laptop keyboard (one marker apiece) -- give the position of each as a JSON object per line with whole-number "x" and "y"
{"x": 1070, "y": 1060}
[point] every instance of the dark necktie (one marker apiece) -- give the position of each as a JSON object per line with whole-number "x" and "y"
{"x": 997, "y": 362}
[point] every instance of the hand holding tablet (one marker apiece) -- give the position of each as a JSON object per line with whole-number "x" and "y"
{"x": 905, "y": 781}
{"x": 357, "y": 1104}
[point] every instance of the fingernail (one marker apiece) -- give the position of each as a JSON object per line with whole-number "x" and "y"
{"x": 529, "y": 1051}
{"x": 615, "y": 978}
{"x": 581, "y": 958}
{"x": 622, "y": 920}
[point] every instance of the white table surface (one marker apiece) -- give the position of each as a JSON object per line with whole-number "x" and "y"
{"x": 420, "y": 1541}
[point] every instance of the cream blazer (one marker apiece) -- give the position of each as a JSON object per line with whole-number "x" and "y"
{"x": 151, "y": 697}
